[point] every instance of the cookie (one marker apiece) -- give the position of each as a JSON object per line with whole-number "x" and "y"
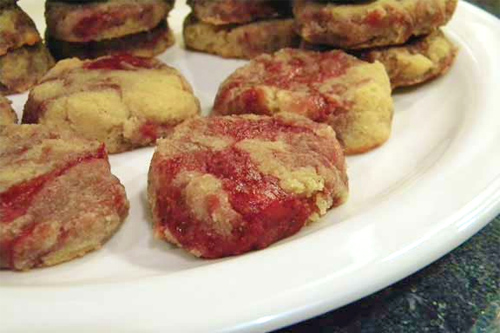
{"x": 58, "y": 198}
{"x": 97, "y": 21}
{"x": 240, "y": 41}
{"x": 7, "y": 114}
{"x": 21, "y": 68}
{"x": 419, "y": 60}
{"x": 223, "y": 186}
{"x": 351, "y": 95}
{"x": 145, "y": 44}
{"x": 370, "y": 24}
{"x": 16, "y": 29}
{"x": 123, "y": 101}
{"x": 222, "y": 12}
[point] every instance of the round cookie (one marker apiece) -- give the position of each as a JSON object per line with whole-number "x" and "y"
{"x": 351, "y": 95}
{"x": 58, "y": 198}
{"x": 221, "y": 12}
{"x": 222, "y": 186}
{"x": 144, "y": 44}
{"x": 16, "y": 29}
{"x": 21, "y": 68}
{"x": 7, "y": 114}
{"x": 419, "y": 60}
{"x": 240, "y": 41}
{"x": 123, "y": 101}
{"x": 96, "y": 21}
{"x": 375, "y": 23}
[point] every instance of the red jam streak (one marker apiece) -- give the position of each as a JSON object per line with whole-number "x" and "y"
{"x": 119, "y": 62}
{"x": 15, "y": 202}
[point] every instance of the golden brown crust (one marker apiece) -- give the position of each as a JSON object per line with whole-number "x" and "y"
{"x": 97, "y": 21}
{"x": 7, "y": 114}
{"x": 222, "y": 12}
{"x": 376, "y": 23}
{"x": 16, "y": 29}
{"x": 420, "y": 60}
{"x": 21, "y": 68}
{"x": 351, "y": 95}
{"x": 124, "y": 101}
{"x": 240, "y": 41}
{"x": 59, "y": 198}
{"x": 145, "y": 44}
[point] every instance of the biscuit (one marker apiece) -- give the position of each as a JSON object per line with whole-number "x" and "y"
{"x": 222, "y": 186}
{"x": 222, "y": 12}
{"x": 420, "y": 60}
{"x": 370, "y": 24}
{"x": 145, "y": 44}
{"x": 16, "y": 29}
{"x": 7, "y": 114}
{"x": 123, "y": 101}
{"x": 97, "y": 21}
{"x": 351, "y": 95}
{"x": 21, "y": 68}
{"x": 58, "y": 198}
{"x": 240, "y": 41}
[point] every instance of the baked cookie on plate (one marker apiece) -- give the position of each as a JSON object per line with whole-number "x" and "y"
{"x": 7, "y": 114}
{"x": 58, "y": 198}
{"x": 223, "y": 186}
{"x": 123, "y": 101}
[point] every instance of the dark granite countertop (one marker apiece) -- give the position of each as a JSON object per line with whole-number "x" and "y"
{"x": 458, "y": 293}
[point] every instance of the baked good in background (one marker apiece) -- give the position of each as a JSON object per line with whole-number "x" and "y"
{"x": 223, "y": 12}
{"x": 222, "y": 186}
{"x": 58, "y": 198}
{"x": 143, "y": 44}
{"x": 369, "y": 24}
{"x": 123, "y": 101}
{"x": 239, "y": 29}
{"x": 7, "y": 114}
{"x": 23, "y": 56}
{"x": 351, "y": 95}
{"x": 240, "y": 41}
{"x": 95, "y": 28}
{"x": 419, "y": 60}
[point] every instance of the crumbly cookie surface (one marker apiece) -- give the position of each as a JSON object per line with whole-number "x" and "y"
{"x": 240, "y": 41}
{"x": 96, "y": 21}
{"x": 21, "y": 68}
{"x": 16, "y": 29}
{"x": 223, "y": 186}
{"x": 58, "y": 198}
{"x": 7, "y": 114}
{"x": 222, "y": 12}
{"x": 123, "y": 101}
{"x": 370, "y": 24}
{"x": 420, "y": 60}
{"x": 144, "y": 44}
{"x": 351, "y": 95}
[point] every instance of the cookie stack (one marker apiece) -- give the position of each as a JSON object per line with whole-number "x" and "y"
{"x": 23, "y": 56}
{"x": 90, "y": 29}
{"x": 239, "y": 28}
{"x": 403, "y": 35}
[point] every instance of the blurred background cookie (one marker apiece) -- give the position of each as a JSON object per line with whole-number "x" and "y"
{"x": 59, "y": 198}
{"x": 123, "y": 101}
{"x": 222, "y": 186}
{"x": 23, "y": 56}
{"x": 95, "y": 28}
{"x": 7, "y": 114}
{"x": 352, "y": 96}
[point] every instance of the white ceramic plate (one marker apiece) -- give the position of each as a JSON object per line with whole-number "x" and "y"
{"x": 432, "y": 186}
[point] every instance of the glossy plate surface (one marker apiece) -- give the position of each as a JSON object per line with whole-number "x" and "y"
{"x": 433, "y": 185}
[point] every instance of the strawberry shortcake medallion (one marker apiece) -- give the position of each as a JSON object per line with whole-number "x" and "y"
{"x": 123, "y": 101}
{"x": 58, "y": 198}
{"x": 223, "y": 186}
{"x": 351, "y": 95}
